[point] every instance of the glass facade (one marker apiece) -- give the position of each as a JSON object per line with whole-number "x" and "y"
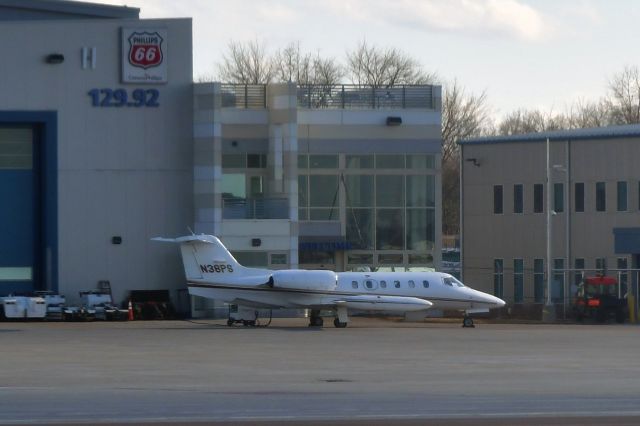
{"x": 387, "y": 203}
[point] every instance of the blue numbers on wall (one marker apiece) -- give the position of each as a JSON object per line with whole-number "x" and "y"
{"x": 122, "y": 98}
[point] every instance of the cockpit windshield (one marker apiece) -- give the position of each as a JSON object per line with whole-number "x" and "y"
{"x": 451, "y": 281}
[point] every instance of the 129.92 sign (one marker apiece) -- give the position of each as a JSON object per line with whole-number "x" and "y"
{"x": 137, "y": 98}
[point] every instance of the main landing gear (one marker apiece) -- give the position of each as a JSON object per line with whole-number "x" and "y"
{"x": 467, "y": 322}
{"x": 315, "y": 320}
{"x": 338, "y": 324}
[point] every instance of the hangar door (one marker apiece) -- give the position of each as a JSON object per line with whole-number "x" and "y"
{"x": 19, "y": 209}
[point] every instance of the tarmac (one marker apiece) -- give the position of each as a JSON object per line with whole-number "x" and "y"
{"x": 373, "y": 372}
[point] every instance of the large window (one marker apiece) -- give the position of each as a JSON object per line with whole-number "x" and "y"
{"x": 420, "y": 229}
{"x": 622, "y": 196}
{"x": 601, "y": 197}
{"x": 579, "y": 197}
{"x": 421, "y": 191}
{"x": 389, "y": 229}
{"x": 359, "y": 190}
{"x": 389, "y": 191}
{"x": 498, "y": 278}
{"x": 518, "y": 280}
{"x": 578, "y": 274}
{"x": 557, "y": 289}
{"x": 558, "y": 197}
{"x": 623, "y": 275}
{"x": 359, "y": 161}
{"x": 518, "y": 198}
{"x": 538, "y": 280}
{"x": 538, "y": 198}
{"x": 323, "y": 197}
{"x": 360, "y": 228}
{"x": 497, "y": 199}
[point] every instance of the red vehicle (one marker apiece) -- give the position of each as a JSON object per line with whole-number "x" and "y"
{"x": 597, "y": 298}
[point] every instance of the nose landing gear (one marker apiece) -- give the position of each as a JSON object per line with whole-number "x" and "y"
{"x": 467, "y": 322}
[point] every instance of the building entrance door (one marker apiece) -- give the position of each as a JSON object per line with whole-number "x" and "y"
{"x": 19, "y": 210}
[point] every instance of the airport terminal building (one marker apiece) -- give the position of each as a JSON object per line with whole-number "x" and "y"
{"x": 105, "y": 142}
{"x": 593, "y": 206}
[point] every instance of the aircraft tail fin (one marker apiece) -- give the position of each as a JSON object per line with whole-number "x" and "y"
{"x": 205, "y": 257}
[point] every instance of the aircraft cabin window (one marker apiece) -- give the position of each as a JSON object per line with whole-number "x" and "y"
{"x": 412, "y": 284}
{"x": 397, "y": 284}
{"x": 452, "y": 281}
{"x": 369, "y": 284}
{"x": 354, "y": 284}
{"x": 425, "y": 284}
{"x": 383, "y": 284}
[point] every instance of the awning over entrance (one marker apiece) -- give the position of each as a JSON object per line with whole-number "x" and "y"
{"x": 626, "y": 240}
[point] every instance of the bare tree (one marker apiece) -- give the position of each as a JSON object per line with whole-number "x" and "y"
{"x": 291, "y": 65}
{"x": 583, "y": 114}
{"x": 246, "y": 63}
{"x": 625, "y": 96}
{"x": 378, "y": 67}
{"x": 464, "y": 115}
{"x": 326, "y": 71}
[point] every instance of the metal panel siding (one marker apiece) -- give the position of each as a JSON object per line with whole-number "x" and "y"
{"x": 121, "y": 171}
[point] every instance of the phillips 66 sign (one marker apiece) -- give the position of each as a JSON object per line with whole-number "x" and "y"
{"x": 144, "y": 55}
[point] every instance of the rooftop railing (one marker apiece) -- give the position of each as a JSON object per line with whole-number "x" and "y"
{"x": 247, "y": 96}
{"x": 255, "y": 208}
{"x": 345, "y": 96}
{"x": 338, "y": 96}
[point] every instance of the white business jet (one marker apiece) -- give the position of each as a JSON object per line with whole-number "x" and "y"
{"x": 212, "y": 272}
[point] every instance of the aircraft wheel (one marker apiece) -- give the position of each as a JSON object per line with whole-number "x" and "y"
{"x": 316, "y": 322}
{"x": 230, "y": 322}
{"x": 338, "y": 324}
{"x": 467, "y": 322}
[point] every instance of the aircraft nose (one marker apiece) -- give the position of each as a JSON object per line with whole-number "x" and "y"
{"x": 498, "y": 302}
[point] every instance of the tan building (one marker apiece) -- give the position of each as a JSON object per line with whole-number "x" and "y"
{"x": 594, "y": 217}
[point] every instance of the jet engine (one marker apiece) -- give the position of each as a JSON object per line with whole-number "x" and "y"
{"x": 300, "y": 279}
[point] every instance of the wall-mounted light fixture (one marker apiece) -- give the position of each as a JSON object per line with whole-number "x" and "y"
{"x": 54, "y": 58}
{"x": 473, "y": 161}
{"x": 394, "y": 121}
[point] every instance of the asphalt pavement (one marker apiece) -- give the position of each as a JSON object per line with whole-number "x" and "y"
{"x": 373, "y": 372}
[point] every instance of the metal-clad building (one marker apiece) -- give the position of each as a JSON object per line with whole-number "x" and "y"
{"x": 96, "y": 147}
{"x": 594, "y": 211}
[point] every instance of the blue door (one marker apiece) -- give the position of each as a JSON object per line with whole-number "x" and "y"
{"x": 19, "y": 210}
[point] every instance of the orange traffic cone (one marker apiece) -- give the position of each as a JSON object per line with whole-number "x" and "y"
{"x": 130, "y": 311}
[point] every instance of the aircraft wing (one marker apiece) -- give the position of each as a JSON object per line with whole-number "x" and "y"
{"x": 381, "y": 303}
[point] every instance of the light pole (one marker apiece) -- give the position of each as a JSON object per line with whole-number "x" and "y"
{"x": 549, "y": 308}
{"x": 548, "y": 313}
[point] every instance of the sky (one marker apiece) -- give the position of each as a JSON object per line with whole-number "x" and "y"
{"x": 544, "y": 54}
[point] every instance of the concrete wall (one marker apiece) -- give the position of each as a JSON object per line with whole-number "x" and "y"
{"x": 121, "y": 171}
